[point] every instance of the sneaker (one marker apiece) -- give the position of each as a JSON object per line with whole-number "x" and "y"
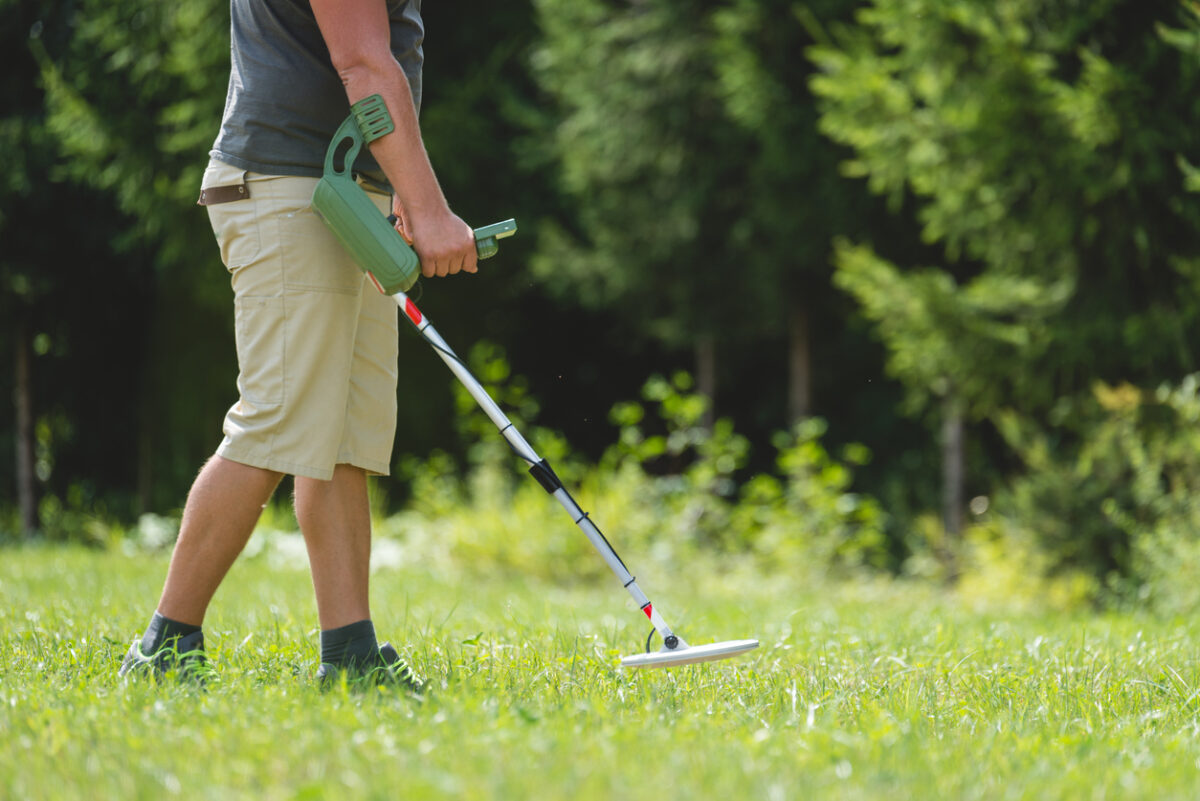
{"x": 387, "y": 669}
{"x": 184, "y": 659}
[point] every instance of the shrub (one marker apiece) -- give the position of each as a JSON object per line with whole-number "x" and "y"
{"x": 1114, "y": 494}
{"x": 666, "y": 490}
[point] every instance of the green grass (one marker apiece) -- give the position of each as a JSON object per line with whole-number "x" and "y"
{"x": 858, "y": 691}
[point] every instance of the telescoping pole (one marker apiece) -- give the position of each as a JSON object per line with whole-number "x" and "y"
{"x": 539, "y": 468}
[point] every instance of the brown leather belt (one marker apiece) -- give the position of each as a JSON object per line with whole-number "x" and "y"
{"x": 213, "y": 195}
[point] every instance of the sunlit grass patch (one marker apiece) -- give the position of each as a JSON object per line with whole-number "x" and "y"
{"x": 858, "y": 691}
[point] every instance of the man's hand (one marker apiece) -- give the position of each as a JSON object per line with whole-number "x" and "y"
{"x": 445, "y": 245}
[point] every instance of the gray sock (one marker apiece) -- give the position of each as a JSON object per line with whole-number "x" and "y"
{"x": 164, "y": 631}
{"x": 350, "y": 644}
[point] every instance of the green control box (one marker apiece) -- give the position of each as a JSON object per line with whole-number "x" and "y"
{"x": 372, "y": 241}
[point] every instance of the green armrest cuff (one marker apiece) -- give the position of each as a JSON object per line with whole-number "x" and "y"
{"x": 372, "y": 118}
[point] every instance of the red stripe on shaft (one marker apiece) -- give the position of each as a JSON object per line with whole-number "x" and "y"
{"x": 375, "y": 281}
{"x": 412, "y": 311}
{"x": 649, "y": 610}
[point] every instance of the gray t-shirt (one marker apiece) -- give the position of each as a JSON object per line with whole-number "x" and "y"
{"x": 285, "y": 99}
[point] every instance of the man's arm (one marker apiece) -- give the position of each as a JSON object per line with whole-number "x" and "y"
{"x": 359, "y": 39}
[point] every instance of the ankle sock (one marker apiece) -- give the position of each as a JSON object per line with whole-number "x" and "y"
{"x": 350, "y": 644}
{"x": 164, "y": 631}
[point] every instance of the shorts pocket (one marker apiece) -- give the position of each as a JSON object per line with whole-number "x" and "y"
{"x": 234, "y": 223}
{"x": 260, "y": 330}
{"x": 314, "y": 260}
{"x": 236, "y": 227}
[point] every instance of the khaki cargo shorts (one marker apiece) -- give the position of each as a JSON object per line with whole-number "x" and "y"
{"x": 316, "y": 342}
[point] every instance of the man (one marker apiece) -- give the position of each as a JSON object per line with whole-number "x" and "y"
{"x": 317, "y": 345}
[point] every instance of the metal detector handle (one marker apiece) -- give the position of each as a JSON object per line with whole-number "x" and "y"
{"x": 486, "y": 238}
{"x": 486, "y": 244}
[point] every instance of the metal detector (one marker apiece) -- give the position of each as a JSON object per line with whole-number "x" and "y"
{"x": 383, "y": 254}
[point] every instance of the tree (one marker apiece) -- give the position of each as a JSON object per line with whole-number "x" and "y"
{"x": 952, "y": 345}
{"x": 134, "y": 98}
{"x": 645, "y": 151}
{"x": 1041, "y": 145}
{"x": 794, "y": 200}
{"x": 22, "y": 282}
{"x": 46, "y": 243}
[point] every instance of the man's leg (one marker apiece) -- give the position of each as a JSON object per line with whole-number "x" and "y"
{"x": 222, "y": 508}
{"x": 335, "y": 519}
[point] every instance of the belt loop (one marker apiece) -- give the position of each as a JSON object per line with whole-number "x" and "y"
{"x": 212, "y": 195}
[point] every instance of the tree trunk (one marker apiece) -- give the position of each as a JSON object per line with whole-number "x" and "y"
{"x": 145, "y": 463}
{"x": 706, "y": 375}
{"x": 23, "y": 401}
{"x": 953, "y": 479}
{"x": 799, "y": 364}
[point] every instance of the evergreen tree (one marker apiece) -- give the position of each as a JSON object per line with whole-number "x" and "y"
{"x": 645, "y": 151}
{"x": 1042, "y": 146}
{"x": 134, "y": 99}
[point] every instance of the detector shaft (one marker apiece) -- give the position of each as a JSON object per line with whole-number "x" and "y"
{"x": 540, "y": 469}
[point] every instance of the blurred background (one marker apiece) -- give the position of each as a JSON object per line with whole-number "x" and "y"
{"x": 902, "y": 286}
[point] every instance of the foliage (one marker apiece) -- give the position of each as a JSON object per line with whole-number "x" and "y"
{"x": 134, "y": 104}
{"x": 686, "y": 171}
{"x": 1042, "y": 148}
{"x": 670, "y": 487}
{"x": 811, "y": 517}
{"x": 1122, "y": 505}
{"x": 27, "y": 215}
{"x": 946, "y": 339}
{"x": 642, "y": 148}
{"x": 1043, "y": 158}
{"x": 794, "y": 201}
{"x": 61, "y": 292}
{"x": 114, "y": 108}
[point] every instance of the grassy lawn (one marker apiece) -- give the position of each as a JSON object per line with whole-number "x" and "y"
{"x": 863, "y": 691}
